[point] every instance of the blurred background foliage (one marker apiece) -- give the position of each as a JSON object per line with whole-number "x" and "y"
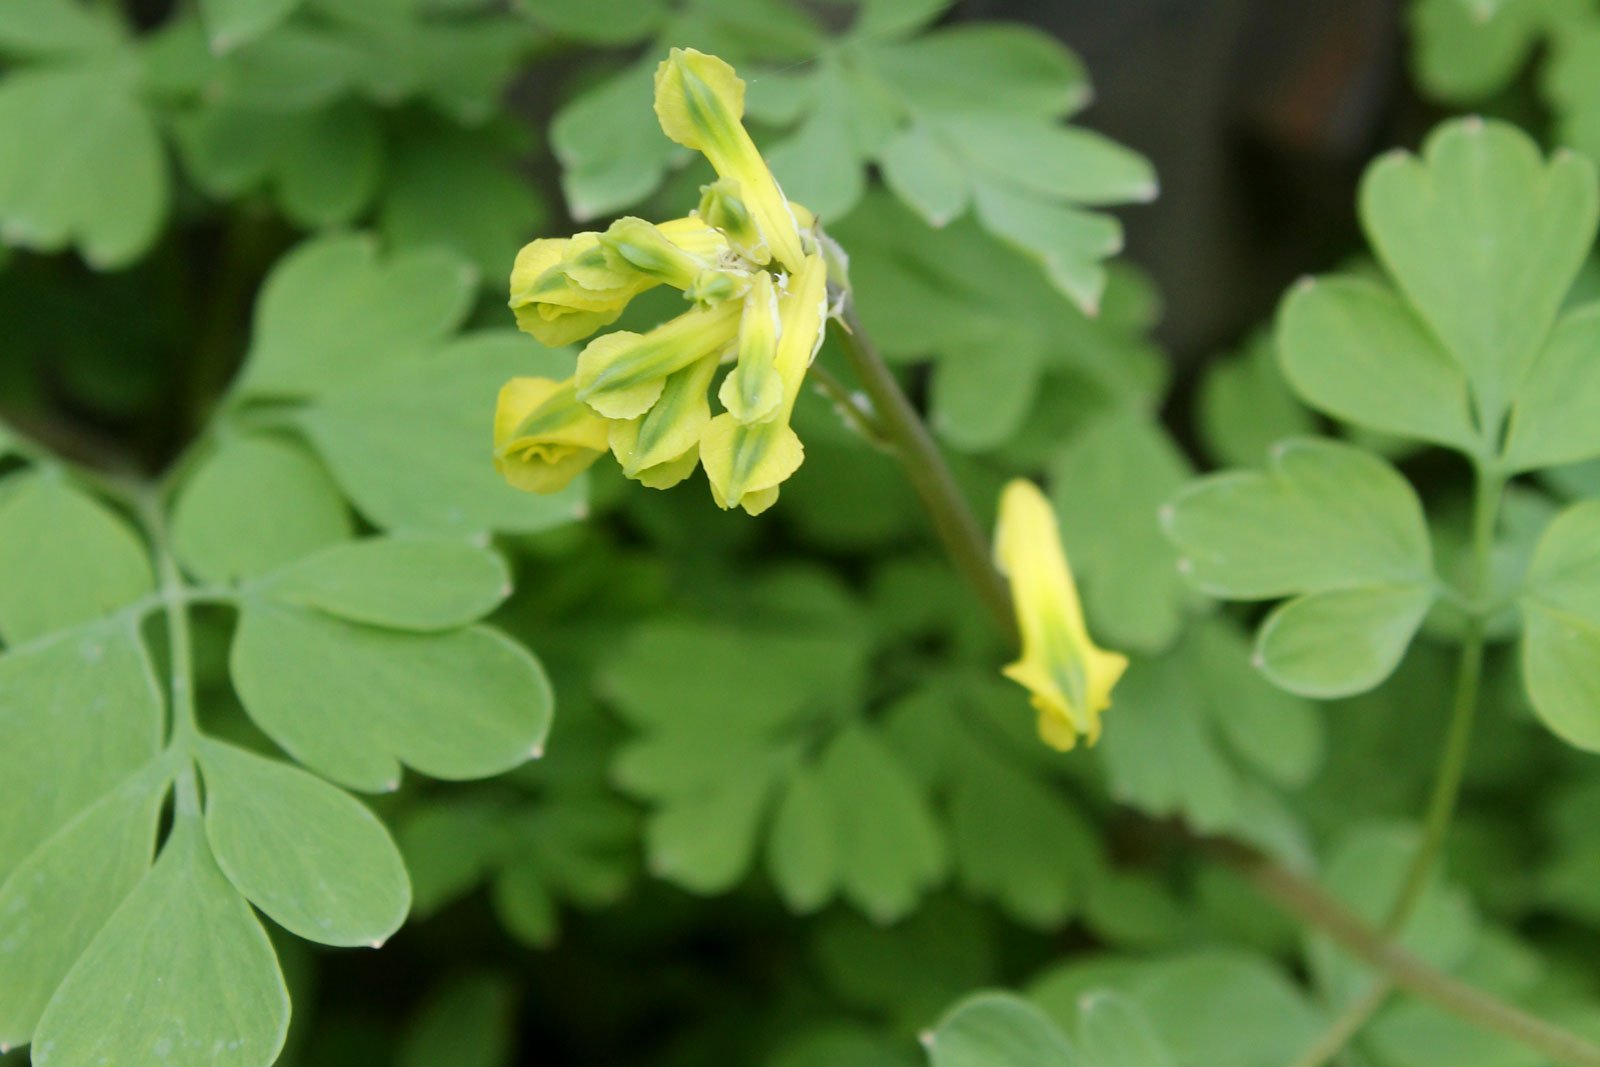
{"x": 789, "y": 812}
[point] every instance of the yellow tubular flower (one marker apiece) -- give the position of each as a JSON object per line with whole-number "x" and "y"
{"x": 700, "y": 104}
{"x": 546, "y": 302}
{"x": 543, "y": 436}
{"x": 662, "y": 447}
{"x": 746, "y": 463}
{"x": 1068, "y": 678}
{"x": 622, "y": 374}
{"x": 753, "y": 391}
{"x": 644, "y": 248}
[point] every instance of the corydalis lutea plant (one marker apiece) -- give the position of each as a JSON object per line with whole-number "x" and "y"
{"x": 751, "y": 265}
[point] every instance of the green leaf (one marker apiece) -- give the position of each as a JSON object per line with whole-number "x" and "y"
{"x": 1114, "y": 1032}
{"x": 230, "y": 23}
{"x": 1278, "y": 734}
{"x": 55, "y": 901}
{"x": 802, "y": 853}
{"x": 1355, "y": 350}
{"x": 309, "y": 855}
{"x": 1561, "y": 626}
{"x": 410, "y": 443}
{"x": 1067, "y": 242}
{"x": 924, "y": 172}
{"x": 611, "y": 150}
{"x": 1245, "y": 405}
{"x": 332, "y": 312}
{"x": 1556, "y": 416}
{"x": 890, "y": 849}
{"x": 409, "y": 583}
{"x": 1484, "y": 238}
{"x": 351, "y": 702}
{"x": 706, "y": 840}
{"x": 895, "y": 18}
{"x": 217, "y": 532}
{"x": 88, "y": 698}
{"x": 599, "y": 22}
{"x": 1339, "y": 643}
{"x": 56, "y": 27}
{"x": 450, "y": 187}
{"x": 181, "y": 974}
{"x": 466, "y": 1021}
{"x": 81, "y": 121}
{"x": 1465, "y": 52}
{"x": 1324, "y": 516}
{"x": 1108, "y": 484}
{"x": 997, "y": 1030}
{"x": 1005, "y": 69}
{"x": 1040, "y": 157}
{"x": 321, "y": 165}
{"x": 1017, "y": 842}
{"x": 1196, "y": 1003}
{"x": 66, "y": 559}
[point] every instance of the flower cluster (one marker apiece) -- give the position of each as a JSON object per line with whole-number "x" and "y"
{"x": 748, "y": 263}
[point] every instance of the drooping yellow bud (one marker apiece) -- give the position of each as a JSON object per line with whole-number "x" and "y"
{"x": 543, "y": 436}
{"x": 746, "y": 463}
{"x": 700, "y": 104}
{"x": 622, "y": 374}
{"x": 641, "y": 247}
{"x": 1069, "y": 679}
{"x": 753, "y": 391}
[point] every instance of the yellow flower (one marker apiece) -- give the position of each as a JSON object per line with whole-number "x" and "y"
{"x": 700, "y": 104}
{"x": 753, "y": 390}
{"x": 1068, "y": 677}
{"x": 565, "y": 288}
{"x": 622, "y": 374}
{"x": 662, "y": 447}
{"x": 543, "y": 436}
{"x": 746, "y": 462}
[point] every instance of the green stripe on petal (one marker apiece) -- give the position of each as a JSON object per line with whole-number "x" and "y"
{"x": 622, "y": 374}
{"x": 672, "y": 426}
{"x": 753, "y": 390}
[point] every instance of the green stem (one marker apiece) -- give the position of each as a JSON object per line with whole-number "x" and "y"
{"x": 930, "y": 476}
{"x": 1307, "y": 902}
{"x": 1488, "y": 487}
{"x": 175, "y": 598}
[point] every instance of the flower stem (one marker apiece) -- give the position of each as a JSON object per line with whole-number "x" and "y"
{"x": 927, "y": 470}
{"x": 1489, "y": 485}
{"x": 1309, "y": 903}
{"x": 174, "y": 594}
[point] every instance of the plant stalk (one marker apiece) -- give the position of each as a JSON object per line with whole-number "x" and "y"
{"x": 930, "y": 476}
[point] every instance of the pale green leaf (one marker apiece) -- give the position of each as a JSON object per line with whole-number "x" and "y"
{"x": 802, "y": 851}
{"x": 1069, "y": 243}
{"x": 705, "y": 841}
{"x": 230, "y": 23}
{"x": 1324, "y": 516}
{"x": 410, "y": 583}
{"x": 1355, "y": 350}
{"x": 997, "y": 1030}
{"x": 596, "y": 22}
{"x": 922, "y": 170}
{"x": 1467, "y": 51}
{"x": 217, "y": 528}
{"x": 306, "y": 853}
{"x": 333, "y": 311}
{"x": 1049, "y": 160}
{"x": 87, "y": 699}
{"x": 986, "y": 68}
{"x": 56, "y": 27}
{"x": 611, "y": 150}
{"x": 1342, "y": 642}
{"x": 1278, "y": 733}
{"x": 1484, "y": 237}
{"x": 412, "y": 444}
{"x": 182, "y": 974}
{"x": 1108, "y": 484}
{"x": 1197, "y": 1003}
{"x": 1114, "y": 1032}
{"x": 55, "y": 901}
{"x": 895, "y": 18}
{"x": 890, "y": 850}
{"x": 352, "y": 702}
{"x": 1245, "y": 405}
{"x": 66, "y": 559}
{"x": 1556, "y": 416}
{"x": 1561, "y": 626}
{"x": 81, "y": 122}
